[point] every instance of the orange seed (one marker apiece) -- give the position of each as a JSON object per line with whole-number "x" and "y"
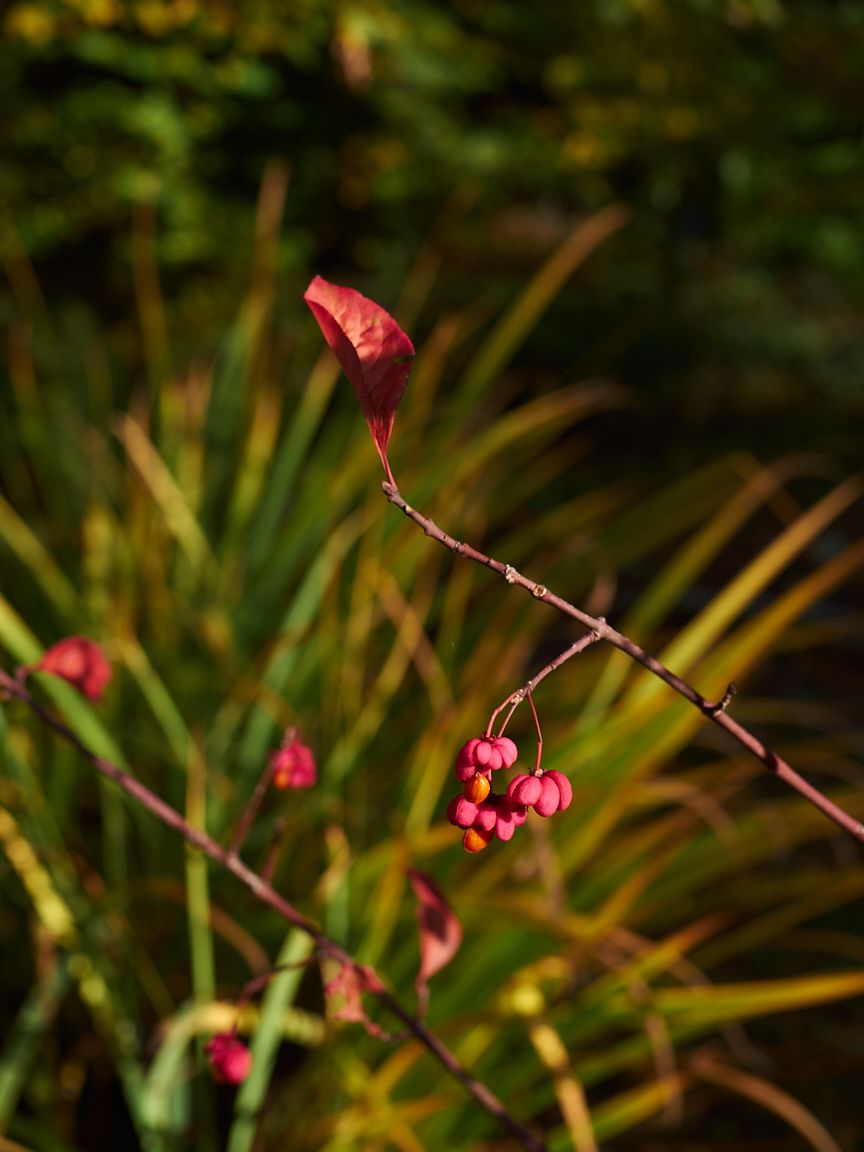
{"x": 475, "y": 840}
{"x": 477, "y": 788}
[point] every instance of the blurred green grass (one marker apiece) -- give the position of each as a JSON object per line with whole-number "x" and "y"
{"x": 222, "y": 534}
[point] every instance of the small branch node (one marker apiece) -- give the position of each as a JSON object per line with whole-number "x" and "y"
{"x": 509, "y": 574}
{"x": 723, "y": 704}
{"x": 408, "y": 510}
{"x": 539, "y": 591}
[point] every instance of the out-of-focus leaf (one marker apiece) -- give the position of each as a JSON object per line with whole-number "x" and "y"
{"x": 440, "y": 930}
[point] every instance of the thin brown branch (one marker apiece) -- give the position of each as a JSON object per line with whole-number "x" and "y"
{"x": 602, "y": 630}
{"x": 10, "y": 687}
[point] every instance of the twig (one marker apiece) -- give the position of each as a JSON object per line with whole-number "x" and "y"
{"x": 11, "y": 687}
{"x": 603, "y": 631}
{"x": 274, "y": 851}
{"x": 516, "y": 698}
{"x": 255, "y": 800}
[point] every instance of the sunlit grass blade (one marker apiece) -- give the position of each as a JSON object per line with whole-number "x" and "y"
{"x": 158, "y": 696}
{"x": 201, "y": 949}
{"x": 748, "y": 584}
{"x": 568, "y": 1091}
{"x": 280, "y": 993}
{"x": 49, "y": 906}
{"x": 521, "y": 317}
{"x": 165, "y": 1099}
{"x": 43, "y": 569}
{"x": 546, "y": 414}
{"x": 770, "y": 1097}
{"x": 628, "y": 1109}
{"x": 176, "y": 513}
{"x": 250, "y": 484}
{"x": 280, "y": 496}
{"x": 709, "y": 1006}
{"x": 26, "y": 1034}
{"x": 685, "y": 568}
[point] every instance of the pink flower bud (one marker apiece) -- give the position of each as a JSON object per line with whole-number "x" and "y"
{"x": 80, "y": 662}
{"x": 293, "y": 764}
{"x": 230, "y": 1059}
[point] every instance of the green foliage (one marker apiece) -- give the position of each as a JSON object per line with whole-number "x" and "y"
{"x": 183, "y": 481}
{"x": 730, "y": 126}
{"x": 222, "y": 534}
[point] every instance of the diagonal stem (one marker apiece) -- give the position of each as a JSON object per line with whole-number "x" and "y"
{"x": 264, "y": 892}
{"x": 603, "y": 631}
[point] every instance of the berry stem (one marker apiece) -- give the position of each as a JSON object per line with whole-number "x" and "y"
{"x": 514, "y": 700}
{"x": 525, "y": 692}
{"x": 536, "y": 771}
{"x": 248, "y": 817}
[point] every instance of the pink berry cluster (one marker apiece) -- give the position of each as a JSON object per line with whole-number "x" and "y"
{"x": 485, "y": 814}
{"x": 293, "y": 764}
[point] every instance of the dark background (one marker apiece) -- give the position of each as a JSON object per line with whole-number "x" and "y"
{"x": 731, "y": 303}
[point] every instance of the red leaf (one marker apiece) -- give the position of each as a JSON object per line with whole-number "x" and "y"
{"x": 440, "y": 931}
{"x": 374, "y": 352}
{"x": 348, "y": 985}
